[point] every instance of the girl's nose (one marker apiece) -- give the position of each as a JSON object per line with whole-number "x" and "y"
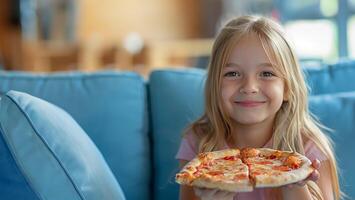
{"x": 249, "y": 86}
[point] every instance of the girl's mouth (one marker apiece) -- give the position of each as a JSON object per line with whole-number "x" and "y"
{"x": 249, "y": 103}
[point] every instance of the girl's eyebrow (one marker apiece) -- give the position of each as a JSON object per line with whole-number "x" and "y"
{"x": 264, "y": 64}
{"x": 231, "y": 65}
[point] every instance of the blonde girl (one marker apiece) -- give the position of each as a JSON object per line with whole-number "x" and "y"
{"x": 256, "y": 96}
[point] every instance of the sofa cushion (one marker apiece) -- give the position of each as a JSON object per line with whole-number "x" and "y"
{"x": 111, "y": 107}
{"x": 49, "y": 153}
{"x": 176, "y": 99}
{"x": 331, "y": 78}
{"x": 337, "y": 111}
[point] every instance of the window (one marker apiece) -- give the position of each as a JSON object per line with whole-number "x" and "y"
{"x": 313, "y": 39}
{"x": 327, "y": 24}
{"x": 351, "y": 34}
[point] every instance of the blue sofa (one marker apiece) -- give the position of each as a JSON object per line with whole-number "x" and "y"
{"x": 135, "y": 127}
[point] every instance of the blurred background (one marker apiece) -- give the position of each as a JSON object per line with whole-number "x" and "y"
{"x": 142, "y": 35}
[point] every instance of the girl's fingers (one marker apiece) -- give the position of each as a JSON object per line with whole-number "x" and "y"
{"x": 224, "y": 195}
{"x": 213, "y": 194}
{"x": 197, "y": 191}
{"x": 314, "y": 176}
{"x": 201, "y": 191}
{"x": 205, "y": 193}
{"x": 316, "y": 164}
{"x": 301, "y": 183}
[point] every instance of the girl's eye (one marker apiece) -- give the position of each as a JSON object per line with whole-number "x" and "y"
{"x": 232, "y": 74}
{"x": 267, "y": 74}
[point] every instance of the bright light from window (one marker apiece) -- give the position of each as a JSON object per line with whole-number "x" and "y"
{"x": 351, "y": 38}
{"x": 313, "y": 39}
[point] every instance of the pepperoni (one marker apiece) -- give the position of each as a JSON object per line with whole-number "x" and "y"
{"x": 197, "y": 173}
{"x": 240, "y": 176}
{"x": 249, "y": 152}
{"x": 295, "y": 166}
{"x": 230, "y": 158}
{"x": 293, "y": 162}
{"x": 256, "y": 173}
{"x": 205, "y": 165}
{"x": 202, "y": 166}
{"x": 281, "y": 168}
{"x": 215, "y": 173}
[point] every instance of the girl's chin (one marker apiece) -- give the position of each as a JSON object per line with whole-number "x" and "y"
{"x": 248, "y": 121}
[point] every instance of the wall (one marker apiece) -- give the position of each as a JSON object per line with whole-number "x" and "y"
{"x": 153, "y": 19}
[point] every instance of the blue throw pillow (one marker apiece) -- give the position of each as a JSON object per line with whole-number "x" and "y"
{"x": 45, "y": 154}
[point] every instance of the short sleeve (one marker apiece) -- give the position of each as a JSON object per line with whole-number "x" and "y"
{"x": 313, "y": 152}
{"x": 188, "y": 147}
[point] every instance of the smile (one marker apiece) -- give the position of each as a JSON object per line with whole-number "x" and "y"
{"x": 249, "y": 103}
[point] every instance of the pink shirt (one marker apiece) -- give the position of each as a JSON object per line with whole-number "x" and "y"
{"x": 188, "y": 150}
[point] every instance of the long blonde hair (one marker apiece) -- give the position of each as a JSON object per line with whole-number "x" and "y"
{"x": 293, "y": 123}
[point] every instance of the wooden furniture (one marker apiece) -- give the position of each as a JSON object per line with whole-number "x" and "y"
{"x": 99, "y": 34}
{"x": 176, "y": 52}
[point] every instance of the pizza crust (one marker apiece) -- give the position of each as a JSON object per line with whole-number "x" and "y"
{"x": 266, "y": 181}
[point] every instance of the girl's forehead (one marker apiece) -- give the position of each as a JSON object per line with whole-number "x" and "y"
{"x": 249, "y": 49}
{"x": 248, "y": 54}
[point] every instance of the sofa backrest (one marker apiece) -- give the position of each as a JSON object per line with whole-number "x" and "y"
{"x": 111, "y": 107}
{"x": 176, "y": 99}
{"x": 337, "y": 112}
{"x": 331, "y": 78}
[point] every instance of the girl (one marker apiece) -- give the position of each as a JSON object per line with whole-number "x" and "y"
{"x": 256, "y": 96}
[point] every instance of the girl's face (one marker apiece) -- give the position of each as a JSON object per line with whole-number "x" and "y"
{"x": 252, "y": 91}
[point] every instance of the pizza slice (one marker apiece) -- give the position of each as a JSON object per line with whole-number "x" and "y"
{"x": 222, "y": 170}
{"x": 274, "y": 168}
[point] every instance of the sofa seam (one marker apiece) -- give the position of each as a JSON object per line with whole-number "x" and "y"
{"x": 66, "y": 77}
{"x": 195, "y": 73}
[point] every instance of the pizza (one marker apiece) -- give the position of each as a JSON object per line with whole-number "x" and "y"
{"x": 243, "y": 170}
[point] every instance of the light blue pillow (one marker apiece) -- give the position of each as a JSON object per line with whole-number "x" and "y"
{"x": 45, "y": 154}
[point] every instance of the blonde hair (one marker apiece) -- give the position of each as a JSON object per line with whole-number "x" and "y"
{"x": 293, "y": 123}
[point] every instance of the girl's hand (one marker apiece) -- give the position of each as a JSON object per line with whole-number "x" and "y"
{"x": 314, "y": 176}
{"x": 212, "y": 194}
